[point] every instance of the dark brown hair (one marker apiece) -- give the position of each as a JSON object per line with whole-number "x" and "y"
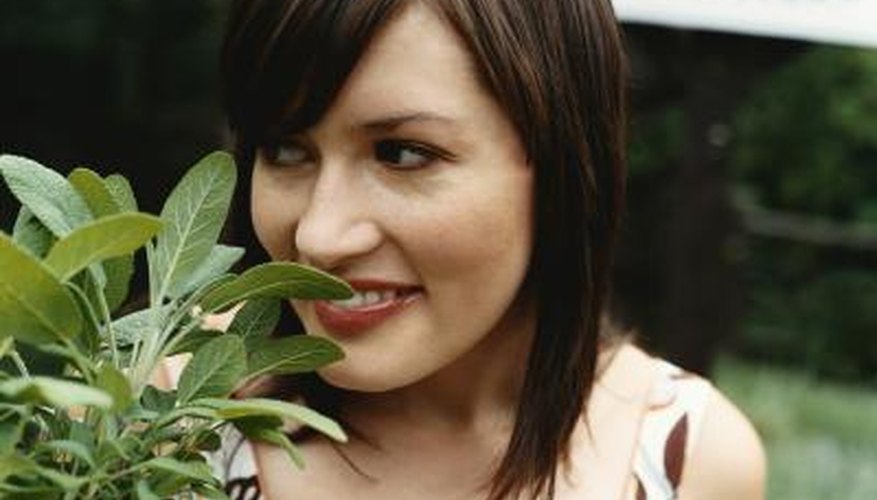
{"x": 558, "y": 69}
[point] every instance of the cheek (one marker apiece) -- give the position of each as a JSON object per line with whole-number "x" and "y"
{"x": 273, "y": 220}
{"x": 480, "y": 241}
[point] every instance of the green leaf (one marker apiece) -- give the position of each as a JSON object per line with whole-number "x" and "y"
{"x": 288, "y": 355}
{"x": 121, "y": 191}
{"x": 6, "y": 345}
{"x": 119, "y": 272}
{"x": 231, "y": 409}
{"x": 111, "y": 236}
{"x": 258, "y": 318}
{"x": 34, "y": 305}
{"x": 11, "y": 431}
{"x": 214, "y": 370}
{"x": 111, "y": 380}
{"x": 73, "y": 448}
{"x": 82, "y": 433}
{"x": 67, "y": 482}
{"x": 194, "y": 340}
{"x": 271, "y": 435}
{"x": 199, "y": 471}
{"x": 193, "y": 215}
{"x": 210, "y": 492}
{"x": 143, "y": 491}
{"x": 220, "y": 260}
{"x": 105, "y": 197}
{"x": 54, "y": 392}
{"x": 155, "y": 399}
{"x": 277, "y": 280}
{"x": 93, "y": 190}
{"x": 139, "y": 324}
{"x": 30, "y": 234}
{"x": 46, "y": 193}
{"x": 13, "y": 465}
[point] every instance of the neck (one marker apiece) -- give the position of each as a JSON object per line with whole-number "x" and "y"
{"x": 476, "y": 394}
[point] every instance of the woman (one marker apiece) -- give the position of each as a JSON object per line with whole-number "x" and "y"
{"x": 460, "y": 163}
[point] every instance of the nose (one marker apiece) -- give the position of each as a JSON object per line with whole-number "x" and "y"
{"x": 336, "y": 227}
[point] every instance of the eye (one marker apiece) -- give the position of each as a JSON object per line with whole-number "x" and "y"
{"x": 284, "y": 153}
{"x": 405, "y": 154}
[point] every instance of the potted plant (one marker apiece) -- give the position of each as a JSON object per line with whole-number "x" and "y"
{"x": 91, "y": 425}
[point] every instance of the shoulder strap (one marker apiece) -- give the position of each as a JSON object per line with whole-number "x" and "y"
{"x": 615, "y": 412}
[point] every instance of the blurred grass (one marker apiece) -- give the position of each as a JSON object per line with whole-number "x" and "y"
{"x": 821, "y": 437}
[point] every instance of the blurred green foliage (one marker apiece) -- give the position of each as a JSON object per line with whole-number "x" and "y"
{"x": 805, "y": 142}
{"x": 820, "y": 438}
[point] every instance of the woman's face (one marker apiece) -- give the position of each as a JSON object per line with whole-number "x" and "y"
{"x": 414, "y": 187}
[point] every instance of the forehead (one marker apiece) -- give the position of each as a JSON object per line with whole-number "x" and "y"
{"x": 416, "y": 63}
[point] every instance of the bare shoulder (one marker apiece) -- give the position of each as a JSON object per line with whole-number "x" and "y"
{"x": 728, "y": 460}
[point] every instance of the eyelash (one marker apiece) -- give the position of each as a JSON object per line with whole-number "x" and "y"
{"x": 386, "y": 151}
{"x": 427, "y": 154}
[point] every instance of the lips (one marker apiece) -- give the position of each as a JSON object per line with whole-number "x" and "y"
{"x": 372, "y": 304}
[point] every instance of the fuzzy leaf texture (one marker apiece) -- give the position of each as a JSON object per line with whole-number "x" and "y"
{"x": 214, "y": 371}
{"x": 112, "y": 236}
{"x": 232, "y": 409}
{"x": 193, "y": 215}
{"x": 276, "y": 280}
{"x": 46, "y": 193}
{"x": 288, "y": 355}
{"x": 36, "y": 308}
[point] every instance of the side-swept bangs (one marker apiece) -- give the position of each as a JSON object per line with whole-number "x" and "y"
{"x": 284, "y": 62}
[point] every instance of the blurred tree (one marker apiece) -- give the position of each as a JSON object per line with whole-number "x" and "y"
{"x": 678, "y": 275}
{"x": 806, "y": 144}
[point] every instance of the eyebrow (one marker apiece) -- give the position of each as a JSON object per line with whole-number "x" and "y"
{"x": 391, "y": 122}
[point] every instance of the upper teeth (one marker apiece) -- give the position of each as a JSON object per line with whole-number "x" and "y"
{"x": 364, "y": 299}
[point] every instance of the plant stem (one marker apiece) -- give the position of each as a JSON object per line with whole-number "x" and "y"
{"x": 19, "y": 363}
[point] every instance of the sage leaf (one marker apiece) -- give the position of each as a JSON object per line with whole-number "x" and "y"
{"x": 220, "y": 260}
{"x": 114, "y": 382}
{"x": 193, "y": 470}
{"x": 73, "y": 448}
{"x": 11, "y": 431}
{"x": 193, "y": 215}
{"x": 54, "y": 392}
{"x": 30, "y": 234}
{"x": 46, "y": 193}
{"x": 104, "y": 200}
{"x": 277, "y": 280}
{"x": 15, "y": 464}
{"x": 111, "y": 236}
{"x": 288, "y": 355}
{"x": 119, "y": 272}
{"x": 94, "y": 192}
{"x": 136, "y": 326}
{"x": 271, "y": 435}
{"x": 157, "y": 400}
{"x": 258, "y": 318}
{"x": 231, "y": 409}
{"x": 144, "y": 492}
{"x": 35, "y": 307}
{"x": 121, "y": 191}
{"x": 67, "y": 482}
{"x": 214, "y": 371}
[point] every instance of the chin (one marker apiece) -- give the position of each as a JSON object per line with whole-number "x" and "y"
{"x": 344, "y": 375}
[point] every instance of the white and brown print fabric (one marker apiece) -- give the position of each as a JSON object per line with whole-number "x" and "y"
{"x": 667, "y": 436}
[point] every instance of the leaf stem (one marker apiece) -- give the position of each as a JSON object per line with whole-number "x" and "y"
{"x": 19, "y": 363}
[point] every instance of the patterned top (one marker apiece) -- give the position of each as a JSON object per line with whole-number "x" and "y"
{"x": 668, "y": 432}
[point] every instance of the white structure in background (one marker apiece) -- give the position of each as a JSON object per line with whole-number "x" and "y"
{"x": 849, "y": 22}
